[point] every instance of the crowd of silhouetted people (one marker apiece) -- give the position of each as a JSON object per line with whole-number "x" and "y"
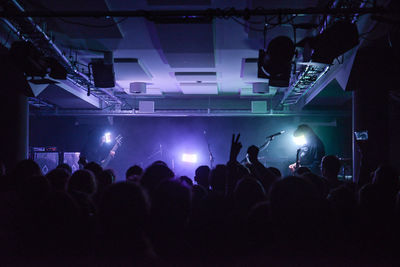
{"x": 233, "y": 214}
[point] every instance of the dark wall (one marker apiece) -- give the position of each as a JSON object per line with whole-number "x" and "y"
{"x": 374, "y": 79}
{"x": 142, "y": 137}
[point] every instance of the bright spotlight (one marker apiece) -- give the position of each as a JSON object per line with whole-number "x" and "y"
{"x": 107, "y": 137}
{"x": 192, "y": 158}
{"x": 300, "y": 140}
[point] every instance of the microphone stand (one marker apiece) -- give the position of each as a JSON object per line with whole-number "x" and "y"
{"x": 209, "y": 150}
{"x": 211, "y": 156}
{"x": 156, "y": 153}
{"x": 261, "y": 148}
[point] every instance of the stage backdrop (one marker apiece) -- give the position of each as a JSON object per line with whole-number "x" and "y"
{"x": 146, "y": 139}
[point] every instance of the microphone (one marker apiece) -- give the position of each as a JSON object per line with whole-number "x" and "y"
{"x": 276, "y": 134}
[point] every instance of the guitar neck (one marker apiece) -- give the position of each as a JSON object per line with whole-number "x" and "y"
{"x": 115, "y": 147}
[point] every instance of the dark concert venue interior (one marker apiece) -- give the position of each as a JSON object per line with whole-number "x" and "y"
{"x": 205, "y": 132}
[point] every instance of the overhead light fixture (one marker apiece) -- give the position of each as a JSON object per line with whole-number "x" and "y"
{"x": 275, "y": 63}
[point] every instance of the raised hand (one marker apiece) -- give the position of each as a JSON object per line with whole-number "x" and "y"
{"x": 236, "y": 146}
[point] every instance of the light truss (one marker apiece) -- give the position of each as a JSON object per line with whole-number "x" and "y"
{"x": 28, "y": 30}
{"x": 306, "y": 80}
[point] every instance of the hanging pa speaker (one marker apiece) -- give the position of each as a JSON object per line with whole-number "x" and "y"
{"x": 103, "y": 74}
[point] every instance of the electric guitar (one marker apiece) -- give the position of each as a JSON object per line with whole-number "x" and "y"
{"x": 118, "y": 142}
{"x": 293, "y": 167}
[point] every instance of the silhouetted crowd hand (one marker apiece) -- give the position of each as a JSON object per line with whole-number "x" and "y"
{"x": 236, "y": 146}
{"x": 233, "y": 215}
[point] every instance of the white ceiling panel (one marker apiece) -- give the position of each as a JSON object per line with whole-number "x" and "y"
{"x": 199, "y": 88}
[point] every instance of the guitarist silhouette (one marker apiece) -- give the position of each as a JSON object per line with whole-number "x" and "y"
{"x": 100, "y": 150}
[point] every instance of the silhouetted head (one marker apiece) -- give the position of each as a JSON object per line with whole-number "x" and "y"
{"x": 342, "y": 198}
{"x": 303, "y": 129}
{"x": 106, "y": 178}
{"x": 301, "y": 170}
{"x": 66, "y": 167}
{"x": 154, "y": 175}
{"x": 59, "y": 224}
{"x": 26, "y": 168}
{"x": 134, "y": 170}
{"x": 171, "y": 204}
{"x": 201, "y": 176}
{"x": 319, "y": 183}
{"x": 275, "y": 171}
{"x": 330, "y": 166}
{"x": 134, "y": 174}
{"x": 95, "y": 168}
{"x": 218, "y": 178}
{"x": 248, "y": 192}
{"x": 58, "y": 179}
{"x": 82, "y": 181}
{"x": 124, "y": 209}
{"x": 294, "y": 209}
{"x": 252, "y": 153}
{"x": 34, "y": 189}
{"x": 186, "y": 181}
{"x": 160, "y": 162}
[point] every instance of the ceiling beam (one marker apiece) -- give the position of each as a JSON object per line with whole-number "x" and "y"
{"x": 231, "y": 12}
{"x": 189, "y": 112}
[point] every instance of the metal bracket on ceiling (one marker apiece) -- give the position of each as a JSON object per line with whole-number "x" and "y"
{"x": 27, "y": 29}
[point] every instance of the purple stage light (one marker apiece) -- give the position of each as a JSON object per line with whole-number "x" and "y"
{"x": 191, "y": 158}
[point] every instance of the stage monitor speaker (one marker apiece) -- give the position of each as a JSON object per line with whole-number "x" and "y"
{"x": 72, "y": 158}
{"x": 47, "y": 160}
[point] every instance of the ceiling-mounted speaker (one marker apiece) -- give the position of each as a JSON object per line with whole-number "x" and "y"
{"x": 137, "y": 88}
{"x": 331, "y": 43}
{"x": 103, "y": 71}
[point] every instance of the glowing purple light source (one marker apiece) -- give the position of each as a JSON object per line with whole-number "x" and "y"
{"x": 191, "y": 158}
{"x": 107, "y": 137}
